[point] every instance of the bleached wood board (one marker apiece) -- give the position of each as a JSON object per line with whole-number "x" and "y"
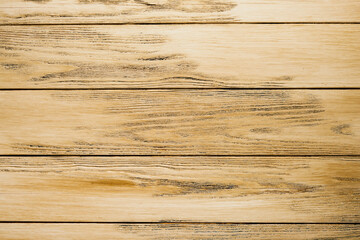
{"x": 177, "y": 231}
{"x": 170, "y": 11}
{"x": 180, "y": 122}
{"x": 192, "y": 189}
{"x": 180, "y": 56}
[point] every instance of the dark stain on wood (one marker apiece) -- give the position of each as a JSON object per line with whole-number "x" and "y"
{"x": 186, "y": 187}
{"x": 348, "y": 179}
{"x": 264, "y": 130}
{"x": 198, "y": 6}
{"x": 343, "y": 129}
{"x": 12, "y": 66}
{"x": 112, "y": 182}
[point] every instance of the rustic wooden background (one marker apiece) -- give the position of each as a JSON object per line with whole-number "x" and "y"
{"x": 179, "y": 119}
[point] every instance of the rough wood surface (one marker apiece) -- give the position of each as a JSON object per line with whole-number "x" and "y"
{"x": 197, "y": 189}
{"x": 178, "y": 56}
{"x": 176, "y": 11}
{"x": 180, "y": 122}
{"x": 176, "y": 231}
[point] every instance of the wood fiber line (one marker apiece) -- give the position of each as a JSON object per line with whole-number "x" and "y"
{"x": 175, "y": 231}
{"x": 180, "y": 122}
{"x": 180, "y": 56}
{"x": 170, "y": 189}
{"x": 176, "y": 11}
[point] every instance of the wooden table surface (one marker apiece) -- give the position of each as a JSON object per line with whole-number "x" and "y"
{"x": 169, "y": 119}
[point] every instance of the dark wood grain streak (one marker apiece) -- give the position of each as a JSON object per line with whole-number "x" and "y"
{"x": 176, "y": 231}
{"x": 180, "y": 56}
{"x": 176, "y": 11}
{"x": 180, "y": 122}
{"x": 191, "y": 189}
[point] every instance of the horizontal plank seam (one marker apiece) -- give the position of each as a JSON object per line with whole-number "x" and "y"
{"x": 181, "y": 222}
{"x": 171, "y": 155}
{"x": 169, "y": 23}
{"x": 174, "y": 88}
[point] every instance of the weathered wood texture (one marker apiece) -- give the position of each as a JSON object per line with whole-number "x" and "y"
{"x": 178, "y": 122}
{"x": 176, "y": 231}
{"x": 173, "y": 56}
{"x": 205, "y": 189}
{"x": 176, "y": 11}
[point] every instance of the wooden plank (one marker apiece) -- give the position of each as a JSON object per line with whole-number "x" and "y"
{"x": 200, "y": 189}
{"x": 180, "y": 122}
{"x": 168, "y": 11}
{"x": 180, "y": 56}
{"x": 177, "y": 231}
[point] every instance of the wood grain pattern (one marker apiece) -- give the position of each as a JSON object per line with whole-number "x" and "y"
{"x": 180, "y": 56}
{"x": 176, "y": 231}
{"x": 170, "y": 11}
{"x": 197, "y": 189}
{"x": 178, "y": 122}
{"x": 179, "y": 119}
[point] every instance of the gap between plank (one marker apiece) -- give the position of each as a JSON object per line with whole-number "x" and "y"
{"x": 174, "y": 89}
{"x": 185, "y": 223}
{"x": 150, "y": 155}
{"x": 169, "y": 23}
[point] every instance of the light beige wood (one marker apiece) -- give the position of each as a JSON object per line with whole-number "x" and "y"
{"x": 176, "y": 231}
{"x": 176, "y": 11}
{"x": 196, "y": 189}
{"x": 180, "y": 122}
{"x": 178, "y": 56}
